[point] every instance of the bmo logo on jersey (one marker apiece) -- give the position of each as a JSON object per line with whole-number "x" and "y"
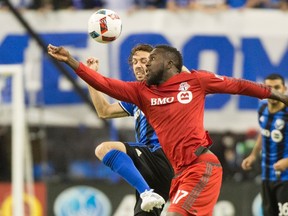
{"x": 161, "y": 101}
{"x": 184, "y": 97}
{"x": 276, "y": 135}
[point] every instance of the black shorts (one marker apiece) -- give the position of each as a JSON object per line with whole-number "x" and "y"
{"x": 275, "y": 197}
{"x": 156, "y": 170}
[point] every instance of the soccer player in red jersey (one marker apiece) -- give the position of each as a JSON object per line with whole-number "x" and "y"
{"x": 173, "y": 103}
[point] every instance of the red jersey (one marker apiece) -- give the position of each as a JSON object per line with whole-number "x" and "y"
{"x": 175, "y": 109}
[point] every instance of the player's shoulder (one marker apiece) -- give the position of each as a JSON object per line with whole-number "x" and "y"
{"x": 201, "y": 75}
{"x": 201, "y": 72}
{"x": 262, "y": 105}
{"x": 263, "y": 102}
{"x": 197, "y": 75}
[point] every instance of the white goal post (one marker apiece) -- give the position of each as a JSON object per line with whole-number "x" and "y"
{"x": 20, "y": 142}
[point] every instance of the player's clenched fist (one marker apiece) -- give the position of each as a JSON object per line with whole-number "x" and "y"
{"x": 281, "y": 165}
{"x": 248, "y": 162}
{"x": 93, "y": 63}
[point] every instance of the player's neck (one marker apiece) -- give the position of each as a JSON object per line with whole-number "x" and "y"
{"x": 273, "y": 108}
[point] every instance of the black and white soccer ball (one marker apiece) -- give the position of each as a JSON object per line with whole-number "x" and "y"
{"x": 104, "y": 26}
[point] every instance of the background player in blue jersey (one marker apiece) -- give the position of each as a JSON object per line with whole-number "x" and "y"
{"x": 132, "y": 160}
{"x": 273, "y": 141}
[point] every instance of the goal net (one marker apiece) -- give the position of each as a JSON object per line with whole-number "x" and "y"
{"x": 12, "y": 113}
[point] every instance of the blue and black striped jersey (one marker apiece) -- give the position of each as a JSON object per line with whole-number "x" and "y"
{"x": 144, "y": 133}
{"x": 274, "y": 130}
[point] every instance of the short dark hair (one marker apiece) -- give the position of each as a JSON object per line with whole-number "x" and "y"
{"x": 173, "y": 54}
{"x": 275, "y": 76}
{"x": 140, "y": 47}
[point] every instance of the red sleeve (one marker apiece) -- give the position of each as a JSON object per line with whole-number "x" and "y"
{"x": 120, "y": 90}
{"x": 213, "y": 83}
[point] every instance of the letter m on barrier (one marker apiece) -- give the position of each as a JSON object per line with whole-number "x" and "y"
{"x": 257, "y": 65}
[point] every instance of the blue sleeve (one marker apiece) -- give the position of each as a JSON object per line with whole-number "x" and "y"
{"x": 127, "y": 107}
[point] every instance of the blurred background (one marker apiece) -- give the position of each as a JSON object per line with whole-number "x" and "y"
{"x": 240, "y": 38}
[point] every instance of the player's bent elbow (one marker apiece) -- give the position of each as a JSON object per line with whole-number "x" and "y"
{"x": 99, "y": 152}
{"x": 103, "y": 116}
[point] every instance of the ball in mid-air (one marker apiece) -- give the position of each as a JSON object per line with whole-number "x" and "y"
{"x": 104, "y": 26}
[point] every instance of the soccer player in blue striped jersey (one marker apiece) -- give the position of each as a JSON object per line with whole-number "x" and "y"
{"x": 141, "y": 163}
{"x": 272, "y": 142}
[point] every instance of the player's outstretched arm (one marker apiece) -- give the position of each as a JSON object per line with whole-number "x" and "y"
{"x": 117, "y": 89}
{"x": 104, "y": 108}
{"x": 61, "y": 54}
{"x": 279, "y": 96}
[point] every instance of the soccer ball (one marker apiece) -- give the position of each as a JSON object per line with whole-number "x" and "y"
{"x": 104, "y": 26}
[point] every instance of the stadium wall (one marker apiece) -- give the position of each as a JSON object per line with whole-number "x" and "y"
{"x": 248, "y": 44}
{"x": 104, "y": 198}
